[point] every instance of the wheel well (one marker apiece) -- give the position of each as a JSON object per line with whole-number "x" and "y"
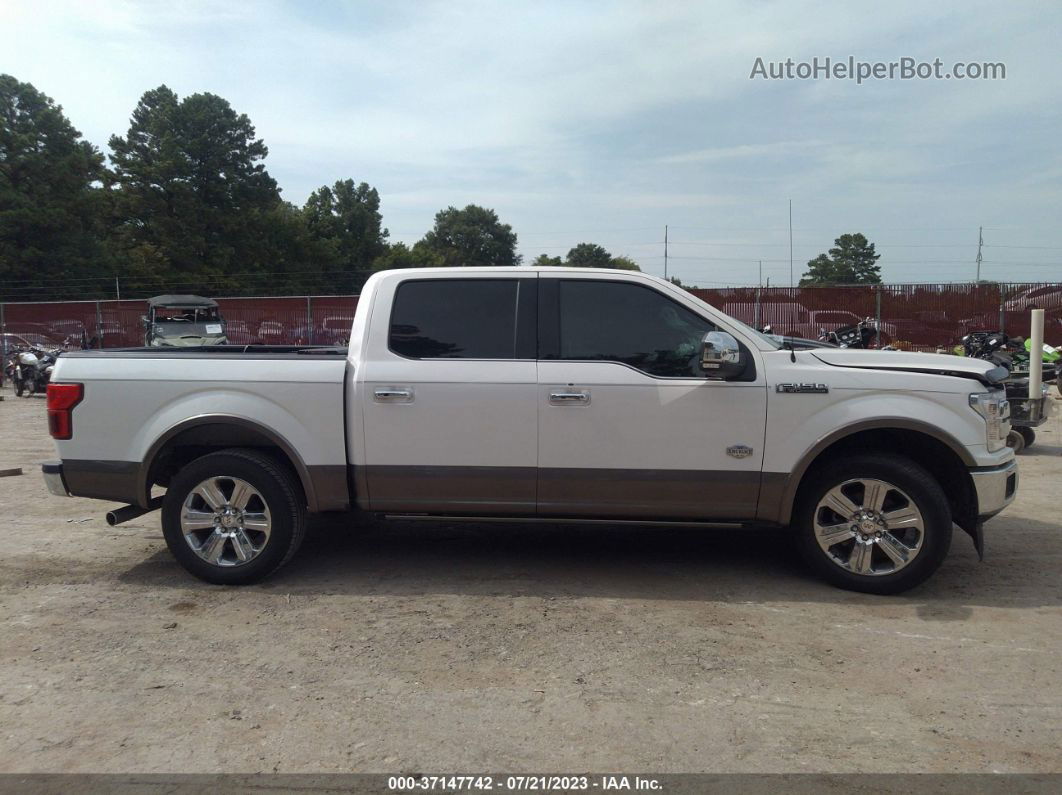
{"x": 196, "y": 441}
{"x": 933, "y": 455}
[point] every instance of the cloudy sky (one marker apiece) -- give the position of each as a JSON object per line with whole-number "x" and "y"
{"x": 604, "y": 122}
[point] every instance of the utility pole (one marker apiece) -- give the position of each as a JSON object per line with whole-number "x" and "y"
{"x": 665, "y": 252}
{"x": 790, "y": 244}
{"x": 980, "y": 242}
{"x": 759, "y": 297}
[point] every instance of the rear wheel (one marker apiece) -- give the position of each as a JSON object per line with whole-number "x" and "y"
{"x": 234, "y": 517}
{"x": 877, "y": 524}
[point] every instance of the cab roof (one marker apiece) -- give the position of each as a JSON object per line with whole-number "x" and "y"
{"x": 181, "y": 301}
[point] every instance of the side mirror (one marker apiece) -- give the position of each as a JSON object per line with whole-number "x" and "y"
{"x": 721, "y": 356}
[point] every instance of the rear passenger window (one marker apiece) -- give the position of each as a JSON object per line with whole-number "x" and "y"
{"x": 456, "y": 319}
{"x": 628, "y": 323}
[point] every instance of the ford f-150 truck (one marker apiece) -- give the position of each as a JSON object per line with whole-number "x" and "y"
{"x": 540, "y": 394}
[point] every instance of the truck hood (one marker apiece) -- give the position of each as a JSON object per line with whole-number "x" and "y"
{"x": 903, "y": 361}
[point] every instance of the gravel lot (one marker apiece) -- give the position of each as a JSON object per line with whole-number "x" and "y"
{"x": 428, "y": 648}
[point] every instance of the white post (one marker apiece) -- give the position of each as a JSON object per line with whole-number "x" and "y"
{"x": 1036, "y": 355}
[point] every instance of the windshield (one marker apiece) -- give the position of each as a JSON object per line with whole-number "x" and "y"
{"x": 186, "y": 315}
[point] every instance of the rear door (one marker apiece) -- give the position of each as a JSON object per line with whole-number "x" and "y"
{"x": 448, "y": 396}
{"x": 629, "y": 425}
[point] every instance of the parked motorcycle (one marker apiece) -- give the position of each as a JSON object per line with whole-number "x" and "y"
{"x": 30, "y": 370}
{"x": 1014, "y": 353}
{"x": 860, "y": 335}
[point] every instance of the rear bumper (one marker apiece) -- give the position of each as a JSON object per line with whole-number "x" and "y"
{"x": 1029, "y": 412}
{"x": 995, "y": 487}
{"x": 53, "y": 478}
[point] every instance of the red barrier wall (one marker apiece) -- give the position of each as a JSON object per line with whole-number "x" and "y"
{"x": 916, "y": 316}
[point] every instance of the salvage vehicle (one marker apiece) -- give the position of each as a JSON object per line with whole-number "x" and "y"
{"x": 540, "y": 394}
{"x": 1028, "y": 412}
{"x": 187, "y": 321}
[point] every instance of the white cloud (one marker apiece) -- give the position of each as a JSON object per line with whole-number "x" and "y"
{"x": 585, "y": 116}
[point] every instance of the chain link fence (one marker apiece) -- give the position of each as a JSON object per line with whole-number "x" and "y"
{"x": 289, "y": 320}
{"x": 924, "y": 317}
{"x": 911, "y": 316}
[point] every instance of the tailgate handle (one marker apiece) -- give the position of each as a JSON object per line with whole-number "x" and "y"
{"x": 393, "y": 394}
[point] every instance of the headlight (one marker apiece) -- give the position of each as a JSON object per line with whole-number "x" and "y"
{"x": 995, "y": 409}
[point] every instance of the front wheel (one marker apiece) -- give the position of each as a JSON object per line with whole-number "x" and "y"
{"x": 1028, "y": 434}
{"x": 877, "y": 524}
{"x": 234, "y": 517}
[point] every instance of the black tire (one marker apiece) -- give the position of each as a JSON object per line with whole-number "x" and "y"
{"x": 905, "y": 475}
{"x": 1028, "y": 434}
{"x": 1016, "y": 440}
{"x": 20, "y": 387}
{"x": 278, "y": 488}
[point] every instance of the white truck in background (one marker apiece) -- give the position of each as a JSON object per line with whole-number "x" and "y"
{"x": 542, "y": 394}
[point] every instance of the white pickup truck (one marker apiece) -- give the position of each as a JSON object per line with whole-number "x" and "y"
{"x": 540, "y": 395}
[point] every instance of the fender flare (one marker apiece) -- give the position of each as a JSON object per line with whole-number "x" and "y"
{"x": 778, "y": 494}
{"x": 225, "y": 419}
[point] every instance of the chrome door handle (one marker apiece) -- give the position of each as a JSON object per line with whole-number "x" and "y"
{"x": 392, "y": 394}
{"x": 580, "y": 397}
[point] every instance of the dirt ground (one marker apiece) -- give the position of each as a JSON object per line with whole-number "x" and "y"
{"x": 468, "y": 648}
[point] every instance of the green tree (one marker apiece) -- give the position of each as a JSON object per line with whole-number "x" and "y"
{"x": 546, "y": 261}
{"x": 192, "y": 191}
{"x": 50, "y": 197}
{"x": 469, "y": 237}
{"x": 346, "y": 217}
{"x": 286, "y": 258}
{"x": 399, "y": 255}
{"x": 588, "y": 255}
{"x": 591, "y": 255}
{"x": 851, "y": 261}
{"x": 623, "y": 263}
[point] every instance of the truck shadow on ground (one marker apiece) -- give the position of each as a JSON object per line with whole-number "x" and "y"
{"x": 1041, "y": 449}
{"x": 632, "y": 562}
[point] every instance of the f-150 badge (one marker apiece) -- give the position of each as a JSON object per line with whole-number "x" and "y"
{"x": 739, "y": 451}
{"x": 800, "y": 388}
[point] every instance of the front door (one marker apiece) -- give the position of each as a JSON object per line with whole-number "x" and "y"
{"x": 448, "y": 399}
{"x": 629, "y": 426}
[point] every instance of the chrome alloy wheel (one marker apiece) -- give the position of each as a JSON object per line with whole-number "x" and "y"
{"x": 225, "y": 521}
{"x": 869, "y": 527}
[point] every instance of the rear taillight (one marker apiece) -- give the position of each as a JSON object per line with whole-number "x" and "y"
{"x": 61, "y": 401}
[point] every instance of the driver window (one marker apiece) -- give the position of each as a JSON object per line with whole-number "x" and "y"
{"x": 628, "y": 323}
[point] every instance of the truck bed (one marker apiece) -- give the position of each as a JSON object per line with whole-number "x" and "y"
{"x": 136, "y": 399}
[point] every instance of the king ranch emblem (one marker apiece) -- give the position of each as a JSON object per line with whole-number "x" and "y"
{"x": 739, "y": 451}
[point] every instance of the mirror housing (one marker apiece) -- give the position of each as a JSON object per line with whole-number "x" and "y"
{"x": 721, "y": 356}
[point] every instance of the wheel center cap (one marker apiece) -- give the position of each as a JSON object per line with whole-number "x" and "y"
{"x": 869, "y": 526}
{"x": 228, "y": 520}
